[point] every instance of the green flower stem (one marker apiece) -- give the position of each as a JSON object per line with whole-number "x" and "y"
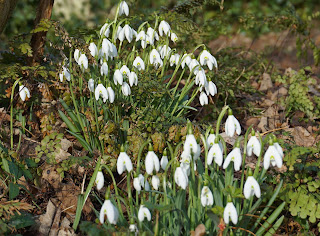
{"x": 130, "y": 195}
{"x": 177, "y": 85}
{"x": 224, "y": 110}
{"x": 205, "y": 154}
{"x": 11, "y": 112}
{"x": 176, "y": 69}
{"x": 199, "y": 46}
{"x": 193, "y": 96}
{"x": 165, "y": 58}
{"x": 244, "y": 155}
{"x": 114, "y": 31}
{"x": 256, "y": 171}
{"x": 140, "y": 154}
{"x": 85, "y": 196}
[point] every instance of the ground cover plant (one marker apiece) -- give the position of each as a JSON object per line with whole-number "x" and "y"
{"x": 150, "y": 124}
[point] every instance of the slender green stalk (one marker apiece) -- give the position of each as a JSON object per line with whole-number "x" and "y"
{"x": 11, "y": 112}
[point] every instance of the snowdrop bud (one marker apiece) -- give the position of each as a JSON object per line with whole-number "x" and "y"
{"x": 110, "y": 94}
{"x": 155, "y": 182}
{"x": 251, "y": 187}
{"x": 76, "y": 55}
{"x": 164, "y": 162}
{"x": 117, "y": 77}
{"x": 125, "y": 89}
{"x": 181, "y": 178}
{"x": 212, "y": 88}
{"x": 133, "y": 79}
{"x": 232, "y": 125}
{"x": 146, "y": 185}
{"x": 203, "y": 99}
{"x": 109, "y": 210}
{"x": 93, "y": 49}
{"x": 138, "y": 63}
{"x": 65, "y": 73}
{"x": 235, "y": 156}
{"x": 164, "y": 28}
{"x": 206, "y": 197}
{"x": 144, "y": 213}
{"x": 123, "y": 8}
{"x": 105, "y": 30}
{"x": 174, "y": 37}
{"x": 230, "y": 212}
{"x": 99, "y": 180}
{"x": 186, "y": 60}
{"x": 91, "y": 85}
{"x": 104, "y": 69}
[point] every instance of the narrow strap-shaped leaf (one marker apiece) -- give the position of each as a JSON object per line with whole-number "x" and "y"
{"x": 69, "y": 124}
{"x": 275, "y": 227}
{"x": 82, "y": 141}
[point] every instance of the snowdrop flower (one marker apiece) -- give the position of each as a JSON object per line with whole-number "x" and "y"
{"x": 117, "y": 77}
{"x": 201, "y": 78}
{"x": 215, "y": 153}
{"x": 133, "y": 228}
{"x": 146, "y": 185}
{"x": 104, "y": 69}
{"x": 138, "y": 182}
{"x": 91, "y": 85}
{"x": 164, "y": 28}
{"x": 232, "y": 125}
{"x": 279, "y": 148}
{"x": 206, "y": 196}
{"x": 155, "y": 182}
{"x": 164, "y": 162}
{"x": 93, "y": 49}
{"x": 118, "y": 31}
{"x": 181, "y": 178}
{"x": 99, "y": 180}
{"x": 123, "y": 162}
{"x": 211, "y": 138}
{"x": 152, "y": 161}
{"x": 251, "y": 187}
{"x": 230, "y": 212}
{"x": 141, "y": 36}
{"x": 211, "y": 89}
{"x": 105, "y": 30}
{"x": 144, "y": 213}
{"x": 76, "y": 55}
{"x": 133, "y": 79}
{"x": 272, "y": 155}
{"x": 253, "y": 146}
{"x": 174, "y": 37}
{"x": 194, "y": 66}
{"x": 109, "y": 210}
{"x": 203, "y": 99}
{"x": 138, "y": 63}
{"x": 174, "y": 59}
{"x": 155, "y": 57}
{"x": 125, "y": 71}
{"x": 207, "y": 59}
{"x": 164, "y": 51}
{"x": 186, "y": 60}
{"x": 153, "y": 35}
{"x": 190, "y": 143}
{"x": 108, "y": 49}
{"x": 127, "y": 33}
{"x": 101, "y": 91}
{"x": 83, "y": 61}
{"x": 65, "y": 73}
{"x": 110, "y": 94}
{"x": 125, "y": 89}
{"x": 123, "y": 8}
{"x": 235, "y": 156}
{"x": 24, "y": 92}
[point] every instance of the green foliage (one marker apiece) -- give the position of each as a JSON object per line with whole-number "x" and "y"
{"x": 299, "y": 98}
{"x": 49, "y": 148}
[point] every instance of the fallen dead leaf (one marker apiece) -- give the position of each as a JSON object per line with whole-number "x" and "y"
{"x": 281, "y": 92}
{"x": 266, "y": 82}
{"x": 263, "y": 124}
{"x": 47, "y": 218}
{"x": 200, "y": 230}
{"x": 302, "y": 137}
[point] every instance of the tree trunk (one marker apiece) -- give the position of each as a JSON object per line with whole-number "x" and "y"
{"x": 6, "y": 9}
{"x": 38, "y": 39}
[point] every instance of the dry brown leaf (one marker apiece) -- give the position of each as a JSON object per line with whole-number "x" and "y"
{"x": 263, "y": 124}
{"x": 281, "y": 92}
{"x": 302, "y": 137}
{"x": 200, "y": 230}
{"x": 47, "y": 218}
{"x": 266, "y": 82}
{"x": 61, "y": 155}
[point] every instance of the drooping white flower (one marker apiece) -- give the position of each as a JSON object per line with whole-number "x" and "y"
{"x": 138, "y": 63}
{"x": 83, "y": 61}
{"x": 123, "y": 8}
{"x": 174, "y": 59}
{"x": 211, "y": 88}
{"x": 118, "y": 31}
{"x": 141, "y": 36}
{"x": 152, "y": 35}
{"x": 138, "y": 182}
{"x": 104, "y": 69}
{"x": 155, "y": 182}
{"x": 253, "y": 146}
{"x": 109, "y": 210}
{"x": 125, "y": 71}
{"x": 93, "y": 49}
{"x": 127, "y": 33}
{"x": 133, "y": 228}
{"x": 124, "y": 163}
{"x": 101, "y": 91}
{"x": 110, "y": 94}
{"x": 105, "y": 30}
{"x": 272, "y": 155}
{"x": 194, "y": 66}
{"x": 164, "y": 28}
{"x": 201, "y": 78}
{"x": 181, "y": 178}
{"x": 203, "y": 99}
{"x": 24, "y": 92}
{"x": 133, "y": 78}
{"x": 207, "y": 59}
{"x": 125, "y": 89}
{"x": 108, "y": 50}
{"x": 251, "y": 187}
{"x": 230, "y": 212}
{"x": 65, "y": 73}
{"x": 210, "y": 140}
{"x": 99, "y": 180}
{"x": 164, "y": 51}
{"x": 206, "y": 196}
{"x": 215, "y": 153}
{"x": 174, "y": 37}
{"x": 164, "y": 162}
{"x": 279, "y": 148}
{"x": 144, "y": 213}
{"x": 191, "y": 144}
{"x": 235, "y": 156}
{"x": 186, "y": 60}
{"x": 152, "y": 162}
{"x": 117, "y": 77}
{"x": 76, "y": 55}
{"x": 232, "y": 125}
{"x": 155, "y": 57}
{"x": 91, "y": 85}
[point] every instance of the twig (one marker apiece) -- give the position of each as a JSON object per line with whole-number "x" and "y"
{"x": 274, "y": 130}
